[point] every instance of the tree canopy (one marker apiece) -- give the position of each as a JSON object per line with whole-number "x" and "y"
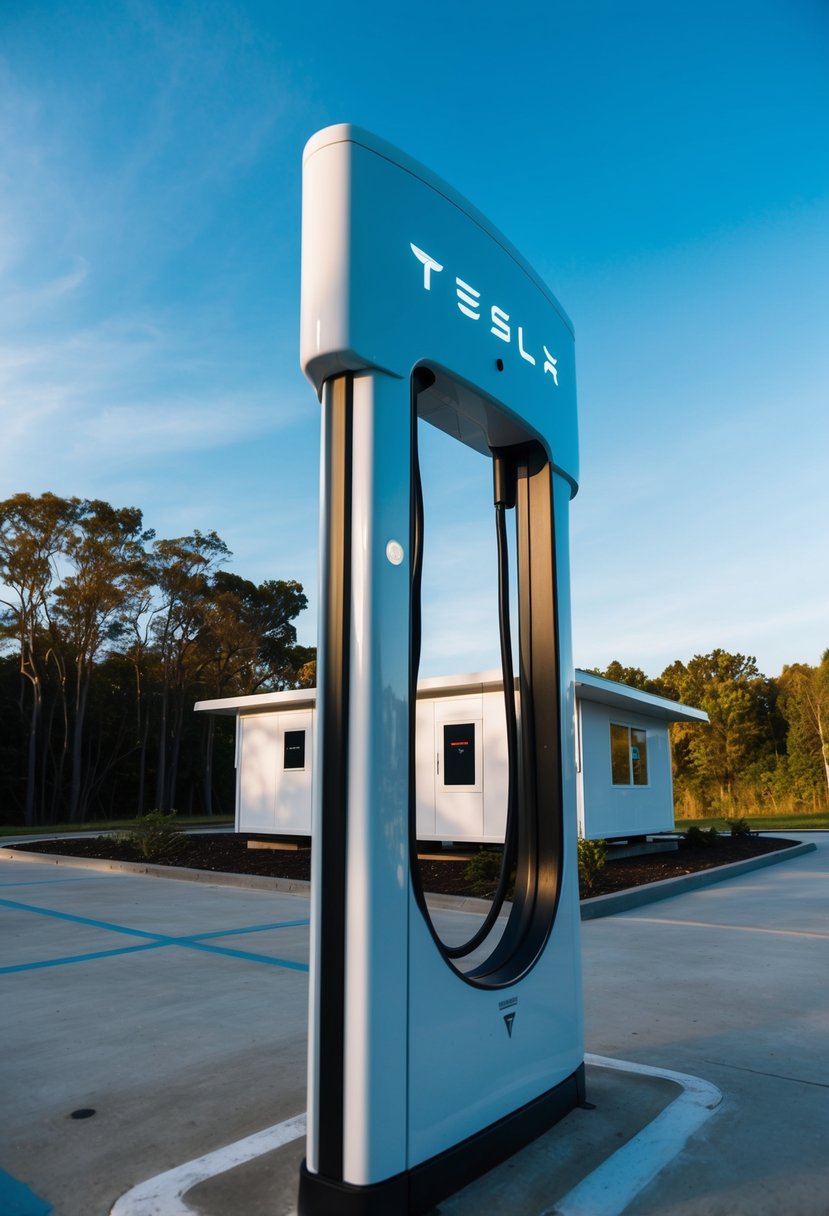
{"x": 766, "y": 741}
{"x": 108, "y": 635}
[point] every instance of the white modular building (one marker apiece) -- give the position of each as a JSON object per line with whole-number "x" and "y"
{"x": 623, "y": 759}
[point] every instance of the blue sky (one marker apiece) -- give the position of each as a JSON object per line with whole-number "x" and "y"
{"x": 664, "y": 167}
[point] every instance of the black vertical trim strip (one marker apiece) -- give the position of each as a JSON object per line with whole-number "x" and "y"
{"x": 543, "y": 667}
{"x": 333, "y": 680}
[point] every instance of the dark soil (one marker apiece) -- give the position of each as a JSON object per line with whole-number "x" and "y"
{"x": 228, "y": 853}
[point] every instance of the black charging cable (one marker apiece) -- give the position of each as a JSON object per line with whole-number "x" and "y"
{"x": 504, "y": 494}
{"x": 504, "y": 487}
{"x": 503, "y": 475}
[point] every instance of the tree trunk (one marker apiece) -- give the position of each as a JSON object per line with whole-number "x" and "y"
{"x": 31, "y": 812}
{"x": 208, "y": 765}
{"x": 142, "y": 766}
{"x": 77, "y": 803}
{"x": 824, "y": 748}
{"x": 161, "y": 774}
{"x": 175, "y": 750}
{"x": 60, "y": 766}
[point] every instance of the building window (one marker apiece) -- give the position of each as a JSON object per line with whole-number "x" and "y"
{"x": 293, "y": 755}
{"x": 628, "y": 755}
{"x": 459, "y": 754}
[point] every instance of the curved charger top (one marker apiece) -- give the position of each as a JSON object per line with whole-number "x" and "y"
{"x": 399, "y": 269}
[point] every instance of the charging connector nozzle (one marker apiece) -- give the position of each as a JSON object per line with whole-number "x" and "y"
{"x": 504, "y": 478}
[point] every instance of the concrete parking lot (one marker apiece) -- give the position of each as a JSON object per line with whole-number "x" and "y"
{"x": 176, "y": 1012}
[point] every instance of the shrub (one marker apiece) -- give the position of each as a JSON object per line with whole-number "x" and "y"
{"x": 700, "y": 838}
{"x": 482, "y": 871}
{"x": 156, "y": 837}
{"x": 739, "y": 827}
{"x": 592, "y": 857}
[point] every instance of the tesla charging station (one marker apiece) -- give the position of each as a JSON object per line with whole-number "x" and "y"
{"x": 430, "y": 1063}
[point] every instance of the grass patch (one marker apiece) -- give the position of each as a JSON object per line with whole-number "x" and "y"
{"x": 814, "y": 821}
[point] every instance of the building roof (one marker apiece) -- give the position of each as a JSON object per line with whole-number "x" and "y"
{"x": 588, "y": 688}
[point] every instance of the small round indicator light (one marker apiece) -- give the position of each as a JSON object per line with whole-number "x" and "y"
{"x": 394, "y": 552}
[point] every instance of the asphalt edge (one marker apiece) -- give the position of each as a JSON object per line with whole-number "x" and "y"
{"x": 591, "y": 909}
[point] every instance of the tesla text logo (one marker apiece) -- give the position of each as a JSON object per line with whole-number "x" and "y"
{"x": 470, "y": 303}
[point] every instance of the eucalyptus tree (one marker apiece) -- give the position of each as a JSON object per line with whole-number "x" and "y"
{"x": 182, "y": 572}
{"x": 265, "y": 612}
{"x": 249, "y": 645}
{"x": 33, "y": 533}
{"x": 107, "y": 561}
{"x": 136, "y": 644}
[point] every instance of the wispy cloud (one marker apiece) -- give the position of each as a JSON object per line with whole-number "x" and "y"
{"x": 170, "y": 426}
{"x": 32, "y": 301}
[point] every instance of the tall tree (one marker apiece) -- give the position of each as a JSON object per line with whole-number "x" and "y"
{"x": 267, "y": 611}
{"x": 33, "y": 532}
{"x": 737, "y": 699}
{"x": 249, "y": 642}
{"x": 110, "y": 645}
{"x": 804, "y": 702}
{"x": 182, "y": 571}
{"x": 106, "y": 550}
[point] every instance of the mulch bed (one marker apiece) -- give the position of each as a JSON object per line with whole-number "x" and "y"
{"x": 228, "y": 853}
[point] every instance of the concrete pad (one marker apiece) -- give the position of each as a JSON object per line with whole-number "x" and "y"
{"x": 184, "y": 1043}
{"x": 186, "y": 1032}
{"x": 529, "y": 1182}
{"x": 730, "y": 983}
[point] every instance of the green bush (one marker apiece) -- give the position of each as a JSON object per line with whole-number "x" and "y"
{"x": 483, "y": 871}
{"x": 700, "y": 838}
{"x": 592, "y": 857}
{"x": 156, "y": 837}
{"x": 739, "y": 827}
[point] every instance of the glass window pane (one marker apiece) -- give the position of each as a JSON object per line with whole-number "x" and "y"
{"x": 294, "y": 749}
{"x": 620, "y": 754}
{"x": 639, "y": 756}
{"x": 459, "y": 754}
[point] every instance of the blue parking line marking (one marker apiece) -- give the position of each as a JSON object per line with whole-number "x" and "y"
{"x": 81, "y": 920}
{"x": 17, "y": 1199}
{"x": 79, "y": 958}
{"x": 190, "y": 943}
{"x": 277, "y": 924}
{"x": 49, "y": 882}
{"x": 153, "y": 940}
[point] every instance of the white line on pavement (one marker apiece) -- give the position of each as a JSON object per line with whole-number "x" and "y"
{"x": 619, "y": 1179}
{"x": 607, "y": 1191}
{"x": 162, "y": 1195}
